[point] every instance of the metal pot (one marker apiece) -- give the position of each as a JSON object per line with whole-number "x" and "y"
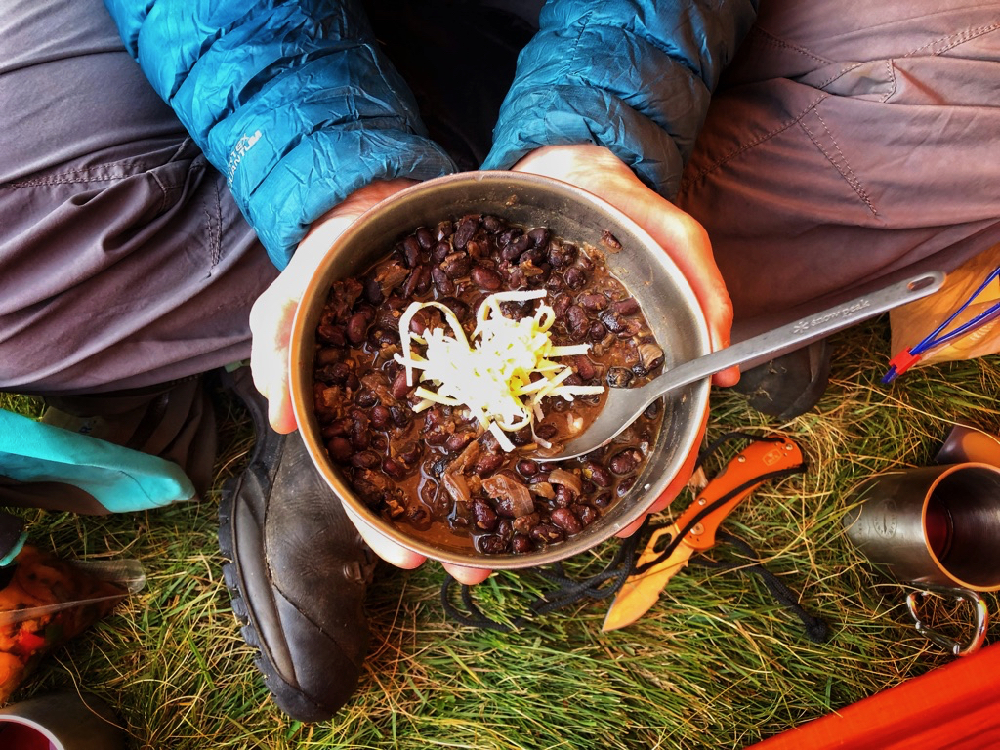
{"x": 642, "y": 266}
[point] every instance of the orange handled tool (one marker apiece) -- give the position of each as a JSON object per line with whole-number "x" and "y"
{"x": 758, "y": 461}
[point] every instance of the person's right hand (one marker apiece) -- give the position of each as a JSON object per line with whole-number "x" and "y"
{"x": 271, "y": 327}
{"x": 272, "y": 314}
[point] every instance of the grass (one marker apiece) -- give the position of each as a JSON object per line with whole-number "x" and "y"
{"x": 716, "y": 663}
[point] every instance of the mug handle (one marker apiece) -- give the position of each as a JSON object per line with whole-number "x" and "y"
{"x": 949, "y": 644}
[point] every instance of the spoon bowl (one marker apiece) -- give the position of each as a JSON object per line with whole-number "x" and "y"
{"x": 624, "y": 405}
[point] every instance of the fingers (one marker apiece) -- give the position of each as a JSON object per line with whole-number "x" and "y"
{"x": 468, "y": 576}
{"x": 597, "y": 170}
{"x": 273, "y": 313}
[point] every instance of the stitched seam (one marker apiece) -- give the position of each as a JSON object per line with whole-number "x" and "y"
{"x": 757, "y": 142}
{"x": 774, "y": 41}
{"x": 892, "y": 75}
{"x": 959, "y": 38}
{"x": 833, "y": 78}
{"x": 80, "y": 175}
{"x": 849, "y": 175}
{"x": 215, "y": 227}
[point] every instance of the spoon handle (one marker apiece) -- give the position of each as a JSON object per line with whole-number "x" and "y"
{"x": 799, "y": 332}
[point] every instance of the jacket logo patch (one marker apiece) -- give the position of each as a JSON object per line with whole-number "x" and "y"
{"x": 243, "y": 145}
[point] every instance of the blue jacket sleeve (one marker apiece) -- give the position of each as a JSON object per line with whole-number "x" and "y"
{"x": 292, "y": 101}
{"x": 632, "y": 75}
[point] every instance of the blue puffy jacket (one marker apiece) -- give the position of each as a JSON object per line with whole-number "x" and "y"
{"x": 295, "y": 103}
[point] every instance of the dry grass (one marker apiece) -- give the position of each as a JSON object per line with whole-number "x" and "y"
{"x": 715, "y": 664}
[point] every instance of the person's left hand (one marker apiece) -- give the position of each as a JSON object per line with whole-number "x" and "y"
{"x": 598, "y": 171}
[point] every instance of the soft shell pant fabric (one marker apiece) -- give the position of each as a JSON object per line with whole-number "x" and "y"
{"x": 849, "y": 141}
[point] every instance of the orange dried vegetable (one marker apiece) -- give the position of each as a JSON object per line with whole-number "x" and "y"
{"x": 28, "y": 632}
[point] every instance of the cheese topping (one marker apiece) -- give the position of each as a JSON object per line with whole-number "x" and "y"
{"x": 504, "y": 377}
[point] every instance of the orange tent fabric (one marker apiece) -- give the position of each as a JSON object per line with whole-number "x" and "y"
{"x": 954, "y": 707}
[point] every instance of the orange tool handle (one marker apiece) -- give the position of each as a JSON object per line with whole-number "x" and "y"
{"x": 759, "y": 458}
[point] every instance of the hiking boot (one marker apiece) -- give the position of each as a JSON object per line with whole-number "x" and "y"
{"x": 789, "y": 385}
{"x": 297, "y": 574}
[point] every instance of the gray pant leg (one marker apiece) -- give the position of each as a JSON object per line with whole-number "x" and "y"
{"x": 852, "y": 141}
{"x": 123, "y": 260}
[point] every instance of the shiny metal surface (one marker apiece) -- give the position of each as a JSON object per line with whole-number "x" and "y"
{"x": 649, "y": 274}
{"x": 624, "y": 405}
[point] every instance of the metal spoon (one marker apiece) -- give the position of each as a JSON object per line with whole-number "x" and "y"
{"x": 624, "y": 405}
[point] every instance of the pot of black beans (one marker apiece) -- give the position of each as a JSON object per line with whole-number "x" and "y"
{"x": 424, "y": 470}
{"x": 436, "y": 470}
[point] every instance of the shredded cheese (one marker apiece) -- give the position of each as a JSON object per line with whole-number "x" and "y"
{"x": 504, "y": 377}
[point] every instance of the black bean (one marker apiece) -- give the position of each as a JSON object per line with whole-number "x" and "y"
{"x": 401, "y": 417}
{"x": 440, "y": 252}
{"x": 393, "y": 469}
{"x": 597, "y": 331}
{"x": 575, "y": 277}
{"x": 424, "y": 238}
{"x": 513, "y": 251}
{"x": 561, "y": 254}
{"x": 546, "y": 430}
{"x": 357, "y": 328}
{"x": 577, "y": 322}
{"x": 487, "y": 278}
{"x": 547, "y": 533}
{"x": 593, "y": 301}
{"x": 365, "y": 399}
{"x": 365, "y": 460}
{"x": 423, "y": 280}
{"x": 597, "y": 474}
{"x": 410, "y": 453}
{"x": 409, "y": 287}
{"x": 335, "y": 374}
{"x": 466, "y": 228}
{"x": 527, "y": 468}
{"x": 487, "y": 463}
{"x": 564, "y": 496}
{"x": 456, "y": 265}
{"x": 610, "y": 241}
{"x": 627, "y": 306}
{"x": 411, "y": 252}
{"x": 373, "y": 291}
{"x": 492, "y": 544}
{"x": 521, "y": 544}
{"x": 340, "y": 449}
{"x": 612, "y": 322}
{"x": 564, "y": 519}
{"x": 441, "y": 281}
{"x": 459, "y": 440}
{"x": 585, "y": 513}
{"x": 492, "y": 223}
{"x": 379, "y": 416}
{"x": 625, "y": 462}
{"x": 399, "y": 386}
{"x": 625, "y": 485}
{"x": 539, "y": 236}
{"x": 484, "y": 517}
{"x": 584, "y": 367}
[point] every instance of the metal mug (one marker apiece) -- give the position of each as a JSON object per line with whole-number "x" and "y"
{"x": 936, "y": 525}
{"x": 60, "y": 721}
